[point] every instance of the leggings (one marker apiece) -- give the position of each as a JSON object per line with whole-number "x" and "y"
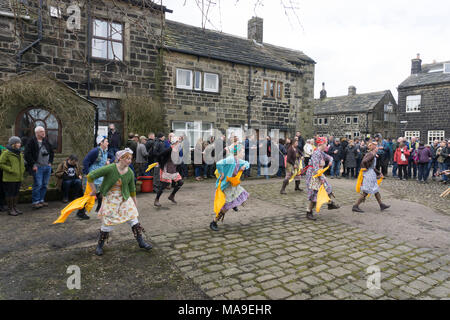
{"x": 402, "y": 171}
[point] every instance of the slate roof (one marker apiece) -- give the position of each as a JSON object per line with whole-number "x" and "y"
{"x": 221, "y": 46}
{"x": 425, "y": 77}
{"x": 348, "y": 104}
{"x": 4, "y": 6}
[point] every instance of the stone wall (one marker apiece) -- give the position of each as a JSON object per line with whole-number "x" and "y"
{"x": 228, "y": 107}
{"x": 434, "y": 111}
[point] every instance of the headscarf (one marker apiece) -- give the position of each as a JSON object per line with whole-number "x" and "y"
{"x": 321, "y": 140}
{"x": 100, "y": 139}
{"x": 121, "y": 153}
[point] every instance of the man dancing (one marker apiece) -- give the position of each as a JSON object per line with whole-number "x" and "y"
{"x": 370, "y": 175}
{"x": 313, "y": 184}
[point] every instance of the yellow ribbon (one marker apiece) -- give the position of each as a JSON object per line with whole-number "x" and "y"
{"x": 235, "y": 180}
{"x": 219, "y": 200}
{"x": 86, "y": 201}
{"x": 322, "y": 198}
{"x": 321, "y": 172}
{"x": 150, "y": 167}
{"x": 360, "y": 181}
{"x": 299, "y": 170}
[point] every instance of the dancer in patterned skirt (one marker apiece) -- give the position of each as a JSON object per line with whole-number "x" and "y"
{"x": 370, "y": 176}
{"x": 313, "y": 184}
{"x": 119, "y": 199}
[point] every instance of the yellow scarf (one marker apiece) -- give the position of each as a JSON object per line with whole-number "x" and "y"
{"x": 299, "y": 170}
{"x": 86, "y": 201}
{"x": 361, "y": 178}
{"x": 219, "y": 200}
{"x": 150, "y": 167}
{"x": 322, "y": 198}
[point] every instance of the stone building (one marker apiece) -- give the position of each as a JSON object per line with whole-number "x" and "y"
{"x": 106, "y": 51}
{"x": 217, "y": 80}
{"x": 356, "y": 115}
{"x": 424, "y": 101}
{"x": 114, "y": 53}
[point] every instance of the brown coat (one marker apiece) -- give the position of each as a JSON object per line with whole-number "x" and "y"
{"x": 368, "y": 160}
{"x": 60, "y": 173}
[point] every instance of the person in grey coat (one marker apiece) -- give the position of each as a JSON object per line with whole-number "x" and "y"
{"x": 141, "y": 156}
{"x": 351, "y": 153}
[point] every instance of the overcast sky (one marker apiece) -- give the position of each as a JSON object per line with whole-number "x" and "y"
{"x": 368, "y": 44}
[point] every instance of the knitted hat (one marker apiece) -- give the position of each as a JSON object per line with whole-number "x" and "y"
{"x": 160, "y": 135}
{"x": 13, "y": 140}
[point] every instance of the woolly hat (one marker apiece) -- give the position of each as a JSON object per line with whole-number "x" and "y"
{"x": 13, "y": 140}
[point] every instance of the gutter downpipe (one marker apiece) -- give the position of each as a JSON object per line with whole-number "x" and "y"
{"x": 22, "y": 52}
{"x": 89, "y": 71}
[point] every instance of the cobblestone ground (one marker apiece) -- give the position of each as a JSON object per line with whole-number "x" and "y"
{"x": 288, "y": 257}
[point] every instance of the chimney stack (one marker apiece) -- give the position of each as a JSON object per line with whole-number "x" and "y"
{"x": 255, "y": 29}
{"x": 351, "y": 90}
{"x": 323, "y": 92}
{"x": 416, "y": 65}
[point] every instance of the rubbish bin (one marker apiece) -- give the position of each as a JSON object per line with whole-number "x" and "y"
{"x": 147, "y": 183}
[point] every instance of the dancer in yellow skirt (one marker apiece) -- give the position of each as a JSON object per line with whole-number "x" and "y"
{"x": 119, "y": 204}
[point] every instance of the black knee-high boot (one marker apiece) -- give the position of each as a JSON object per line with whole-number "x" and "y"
{"x": 137, "y": 231}
{"x": 99, "y": 201}
{"x": 175, "y": 190}
{"x": 297, "y": 185}
{"x": 103, "y": 236}
{"x": 283, "y": 187}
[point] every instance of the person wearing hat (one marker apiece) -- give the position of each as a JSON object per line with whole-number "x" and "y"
{"x": 370, "y": 176}
{"x": 141, "y": 156}
{"x": 318, "y": 159}
{"x": 95, "y": 159}
{"x": 38, "y": 157}
{"x": 120, "y": 204}
{"x": 12, "y": 164}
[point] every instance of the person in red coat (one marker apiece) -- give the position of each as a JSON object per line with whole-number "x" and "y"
{"x": 401, "y": 157}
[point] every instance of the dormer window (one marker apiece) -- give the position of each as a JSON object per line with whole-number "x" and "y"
{"x": 446, "y": 67}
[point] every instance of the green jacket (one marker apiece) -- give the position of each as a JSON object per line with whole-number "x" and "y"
{"x": 12, "y": 165}
{"x": 110, "y": 176}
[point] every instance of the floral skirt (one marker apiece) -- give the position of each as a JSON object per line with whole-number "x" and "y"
{"x": 115, "y": 210}
{"x": 234, "y": 197}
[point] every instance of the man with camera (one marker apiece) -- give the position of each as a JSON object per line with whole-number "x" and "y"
{"x": 39, "y": 158}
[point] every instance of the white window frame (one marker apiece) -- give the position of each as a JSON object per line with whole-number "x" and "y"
{"x": 55, "y": 12}
{"x": 320, "y": 121}
{"x": 204, "y": 82}
{"x": 353, "y": 120}
{"x": 315, "y": 121}
{"x": 199, "y": 73}
{"x": 446, "y": 68}
{"x": 198, "y": 130}
{"x": 349, "y": 135}
{"x": 325, "y": 121}
{"x": 412, "y": 133}
{"x": 356, "y": 134}
{"x": 348, "y": 120}
{"x": 411, "y": 103}
{"x": 182, "y": 86}
{"x": 435, "y": 134}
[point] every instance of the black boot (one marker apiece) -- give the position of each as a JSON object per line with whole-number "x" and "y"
{"x": 333, "y": 205}
{"x": 99, "y": 201}
{"x": 309, "y": 215}
{"x": 172, "y": 195}
{"x": 137, "y": 231}
{"x": 382, "y": 205}
{"x": 283, "y": 187}
{"x": 213, "y": 226}
{"x": 15, "y": 202}
{"x": 297, "y": 185}
{"x": 82, "y": 214}
{"x": 156, "y": 203}
{"x": 355, "y": 208}
{"x": 101, "y": 241}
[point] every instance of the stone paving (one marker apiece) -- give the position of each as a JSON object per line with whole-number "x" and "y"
{"x": 289, "y": 257}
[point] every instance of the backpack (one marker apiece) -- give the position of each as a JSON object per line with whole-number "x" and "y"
{"x": 415, "y": 156}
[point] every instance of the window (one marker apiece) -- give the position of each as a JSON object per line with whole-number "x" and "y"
{"x": 109, "y": 111}
{"x": 265, "y": 88}
{"x": 409, "y": 134}
{"x": 107, "y": 40}
{"x": 235, "y": 131}
{"x": 197, "y": 80}
{"x": 272, "y": 89}
{"x": 31, "y": 118}
{"x": 413, "y": 103}
{"x": 446, "y": 67}
{"x": 279, "y": 90}
{"x": 55, "y": 12}
{"x": 355, "y": 119}
{"x": 348, "y": 135}
{"x": 325, "y": 120}
{"x": 211, "y": 82}
{"x": 435, "y": 135}
{"x": 193, "y": 130}
{"x": 356, "y": 134}
{"x": 348, "y": 120}
{"x": 320, "y": 121}
{"x": 184, "y": 79}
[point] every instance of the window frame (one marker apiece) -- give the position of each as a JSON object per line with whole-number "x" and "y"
{"x": 410, "y": 109}
{"x": 273, "y": 93}
{"x": 187, "y": 130}
{"x": 179, "y": 86}
{"x": 217, "y": 82}
{"x": 412, "y": 133}
{"x": 108, "y": 39}
{"x": 279, "y": 90}
{"x": 265, "y": 88}
{"x": 194, "y": 75}
{"x": 348, "y": 120}
{"x": 434, "y": 137}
